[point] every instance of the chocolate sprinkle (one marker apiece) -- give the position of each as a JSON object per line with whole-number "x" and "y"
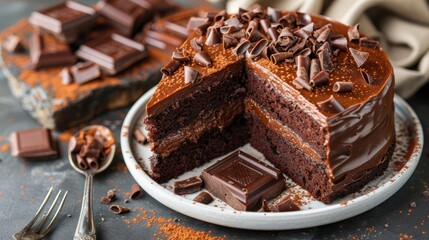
{"x": 340, "y": 87}
{"x": 321, "y": 78}
{"x": 180, "y": 57}
{"x": 340, "y": 43}
{"x": 171, "y": 67}
{"x": 213, "y": 37}
{"x": 276, "y": 58}
{"x": 366, "y": 42}
{"x": 353, "y": 33}
{"x": 367, "y": 77}
{"x": 331, "y": 105}
{"x": 197, "y": 44}
{"x": 191, "y": 75}
{"x": 203, "y": 59}
{"x": 259, "y": 46}
{"x": 359, "y": 56}
{"x": 242, "y": 47}
{"x": 314, "y": 67}
{"x": 228, "y": 41}
{"x": 325, "y": 61}
{"x": 204, "y": 198}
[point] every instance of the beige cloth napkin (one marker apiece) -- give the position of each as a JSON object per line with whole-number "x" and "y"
{"x": 401, "y": 26}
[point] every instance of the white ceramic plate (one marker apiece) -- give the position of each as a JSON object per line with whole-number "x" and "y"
{"x": 313, "y": 213}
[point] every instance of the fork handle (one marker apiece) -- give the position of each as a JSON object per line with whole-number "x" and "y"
{"x": 85, "y": 227}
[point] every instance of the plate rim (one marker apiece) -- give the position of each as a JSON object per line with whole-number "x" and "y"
{"x": 192, "y": 209}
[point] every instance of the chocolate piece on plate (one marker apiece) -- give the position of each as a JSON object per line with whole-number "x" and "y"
{"x": 136, "y": 192}
{"x": 139, "y": 136}
{"x": 242, "y": 181}
{"x": 33, "y": 143}
{"x": 67, "y": 20}
{"x": 187, "y": 186}
{"x": 47, "y": 51}
{"x": 124, "y": 15}
{"x": 84, "y": 72}
{"x": 112, "y": 52}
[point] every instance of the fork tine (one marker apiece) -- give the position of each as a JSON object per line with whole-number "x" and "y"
{"x": 42, "y": 222}
{"x": 53, "y": 221}
{"x": 30, "y": 224}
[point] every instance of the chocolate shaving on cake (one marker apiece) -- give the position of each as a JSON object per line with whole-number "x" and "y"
{"x": 331, "y": 105}
{"x": 220, "y": 16}
{"x": 341, "y": 87}
{"x": 286, "y": 33}
{"x": 254, "y": 35}
{"x": 197, "y": 44}
{"x": 248, "y": 16}
{"x": 340, "y": 43}
{"x": 213, "y": 37}
{"x": 191, "y": 75}
{"x": 274, "y": 14}
{"x": 204, "y": 198}
{"x": 239, "y": 34}
{"x": 302, "y": 79}
{"x": 324, "y": 46}
{"x": 233, "y": 21}
{"x": 257, "y": 49}
{"x": 242, "y": 47}
{"x": 318, "y": 31}
{"x": 366, "y": 42}
{"x": 195, "y": 22}
{"x": 202, "y": 29}
{"x": 180, "y": 57}
{"x": 303, "y": 61}
{"x": 359, "y": 56}
{"x": 276, "y": 58}
{"x": 288, "y": 20}
{"x": 368, "y": 79}
{"x": 324, "y": 36}
{"x": 171, "y": 67}
{"x": 272, "y": 32}
{"x": 336, "y": 52}
{"x": 66, "y": 77}
{"x": 319, "y": 79}
{"x": 314, "y": 67}
{"x": 302, "y": 19}
{"x": 325, "y": 61}
{"x": 353, "y": 33}
{"x": 139, "y": 136}
{"x": 203, "y": 59}
{"x": 229, "y": 29}
{"x": 298, "y": 47}
{"x": 305, "y": 32}
{"x": 265, "y": 24}
{"x": 228, "y": 41}
{"x": 305, "y": 52}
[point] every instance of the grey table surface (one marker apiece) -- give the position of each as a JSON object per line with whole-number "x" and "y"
{"x": 23, "y": 185}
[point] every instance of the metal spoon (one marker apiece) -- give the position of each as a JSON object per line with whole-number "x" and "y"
{"x": 85, "y": 228}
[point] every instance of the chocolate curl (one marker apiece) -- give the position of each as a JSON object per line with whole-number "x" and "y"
{"x": 340, "y": 43}
{"x": 303, "y": 19}
{"x": 207, "y": 14}
{"x": 196, "y": 44}
{"x": 276, "y": 58}
{"x": 213, "y": 37}
{"x": 288, "y": 20}
{"x": 138, "y": 135}
{"x": 314, "y": 67}
{"x": 302, "y": 79}
{"x": 229, "y": 29}
{"x": 317, "y": 32}
{"x": 136, "y": 191}
{"x": 305, "y": 31}
{"x": 273, "y": 14}
{"x": 220, "y": 16}
{"x": 359, "y": 56}
{"x": 324, "y": 36}
{"x": 93, "y": 163}
{"x": 191, "y": 75}
{"x": 233, "y": 21}
{"x": 248, "y": 16}
{"x": 254, "y": 35}
{"x": 353, "y": 33}
{"x": 265, "y": 24}
{"x": 66, "y": 78}
{"x": 259, "y": 46}
{"x": 303, "y": 61}
{"x": 305, "y": 52}
{"x": 366, "y": 42}
{"x": 228, "y": 41}
{"x": 170, "y": 68}
{"x": 298, "y": 47}
{"x": 272, "y": 32}
{"x": 239, "y": 34}
{"x": 195, "y": 22}
{"x": 75, "y": 144}
{"x": 202, "y": 29}
{"x": 116, "y": 209}
{"x": 286, "y": 33}
{"x": 180, "y": 57}
{"x": 340, "y": 87}
{"x": 331, "y": 105}
{"x": 204, "y": 198}
{"x": 325, "y": 46}
{"x": 81, "y": 163}
{"x": 368, "y": 79}
{"x": 319, "y": 79}
{"x": 325, "y": 61}
{"x": 203, "y": 59}
{"x": 242, "y": 47}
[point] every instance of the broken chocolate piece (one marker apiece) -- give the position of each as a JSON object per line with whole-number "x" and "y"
{"x": 321, "y": 78}
{"x": 353, "y": 33}
{"x": 136, "y": 191}
{"x": 242, "y": 181}
{"x": 139, "y": 136}
{"x": 213, "y": 37}
{"x": 12, "y": 44}
{"x": 33, "y": 144}
{"x": 171, "y": 67}
{"x": 116, "y": 209}
{"x": 242, "y": 47}
{"x": 343, "y": 87}
{"x": 204, "y": 198}
{"x": 191, "y": 75}
{"x": 366, "y": 42}
{"x": 331, "y": 105}
{"x": 285, "y": 205}
{"x": 367, "y": 77}
{"x": 257, "y": 49}
{"x": 85, "y": 72}
{"x": 66, "y": 78}
{"x": 203, "y": 59}
{"x": 180, "y": 57}
{"x": 359, "y": 56}
{"x": 325, "y": 61}
{"x": 187, "y": 186}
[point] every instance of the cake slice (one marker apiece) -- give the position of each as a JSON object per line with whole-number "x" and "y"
{"x": 313, "y": 95}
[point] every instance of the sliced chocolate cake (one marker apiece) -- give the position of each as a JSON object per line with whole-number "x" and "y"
{"x": 311, "y": 94}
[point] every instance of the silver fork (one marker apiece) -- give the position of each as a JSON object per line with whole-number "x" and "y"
{"x": 30, "y": 233}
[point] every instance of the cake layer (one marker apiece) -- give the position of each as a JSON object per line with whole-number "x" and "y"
{"x": 189, "y": 155}
{"x": 303, "y": 170}
{"x": 214, "y": 91}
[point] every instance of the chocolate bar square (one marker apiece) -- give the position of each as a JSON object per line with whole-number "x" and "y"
{"x": 67, "y": 20}
{"x": 242, "y": 181}
{"x": 33, "y": 143}
{"x": 47, "y": 51}
{"x": 112, "y": 52}
{"x": 124, "y": 15}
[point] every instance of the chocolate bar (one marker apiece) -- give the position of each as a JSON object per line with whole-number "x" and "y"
{"x": 33, "y": 143}
{"x": 67, "y": 20}
{"x": 112, "y": 52}
{"x": 242, "y": 181}
{"x": 47, "y": 51}
{"x": 85, "y": 72}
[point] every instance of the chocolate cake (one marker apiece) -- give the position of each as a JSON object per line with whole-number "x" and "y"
{"x": 313, "y": 95}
